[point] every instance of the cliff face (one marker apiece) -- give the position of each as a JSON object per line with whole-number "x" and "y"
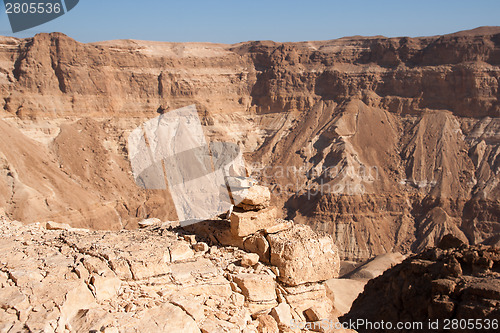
{"x": 450, "y": 283}
{"x": 386, "y": 143}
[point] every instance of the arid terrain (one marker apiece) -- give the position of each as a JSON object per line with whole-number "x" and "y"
{"x": 371, "y": 147}
{"x": 385, "y": 143}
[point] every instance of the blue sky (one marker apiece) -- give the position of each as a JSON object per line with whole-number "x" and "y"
{"x": 225, "y": 21}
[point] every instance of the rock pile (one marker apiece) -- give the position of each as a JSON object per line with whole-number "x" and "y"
{"x": 54, "y": 278}
{"x": 298, "y": 254}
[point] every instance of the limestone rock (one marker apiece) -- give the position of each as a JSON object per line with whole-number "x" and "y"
{"x": 145, "y": 269}
{"x": 254, "y": 198}
{"x": 78, "y": 299}
{"x": 200, "y": 247}
{"x": 167, "y": 318}
{"x": 50, "y": 225}
{"x": 302, "y": 255}
{"x": 149, "y": 222}
{"x": 267, "y": 324}
{"x": 105, "y": 287}
{"x": 180, "y": 251}
{"x": 249, "y": 259}
{"x": 257, "y": 243}
{"x": 246, "y": 223}
{"x": 282, "y": 314}
{"x": 257, "y": 287}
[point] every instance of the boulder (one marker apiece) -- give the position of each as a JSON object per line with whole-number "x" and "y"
{"x": 105, "y": 287}
{"x": 254, "y": 198}
{"x": 167, "y": 318}
{"x": 303, "y": 255}
{"x": 249, "y": 259}
{"x": 257, "y": 243}
{"x": 149, "y": 222}
{"x": 267, "y": 324}
{"x": 200, "y": 247}
{"x": 142, "y": 269}
{"x": 246, "y": 223}
{"x": 79, "y": 298}
{"x": 282, "y": 314}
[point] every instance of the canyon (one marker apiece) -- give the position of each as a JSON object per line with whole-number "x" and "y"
{"x": 386, "y": 144}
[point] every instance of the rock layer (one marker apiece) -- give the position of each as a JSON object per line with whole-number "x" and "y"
{"x": 147, "y": 280}
{"x": 395, "y": 139}
{"x": 441, "y": 283}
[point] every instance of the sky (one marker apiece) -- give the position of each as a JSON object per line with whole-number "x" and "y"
{"x": 224, "y": 21}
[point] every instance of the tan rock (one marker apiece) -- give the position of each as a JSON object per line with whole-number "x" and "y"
{"x": 257, "y": 243}
{"x": 105, "y": 287}
{"x": 305, "y": 296}
{"x": 254, "y": 198}
{"x": 302, "y": 255}
{"x": 312, "y": 314}
{"x": 191, "y": 305}
{"x": 237, "y": 183}
{"x": 191, "y": 239}
{"x": 145, "y": 269}
{"x": 246, "y": 223}
{"x": 167, "y": 318}
{"x": 50, "y": 225}
{"x": 79, "y": 298}
{"x": 249, "y": 259}
{"x": 256, "y": 287}
{"x": 282, "y": 315}
{"x": 260, "y": 308}
{"x": 121, "y": 268}
{"x": 149, "y": 222}
{"x": 97, "y": 266}
{"x": 82, "y": 272}
{"x": 267, "y": 324}
{"x": 280, "y": 226}
{"x": 218, "y": 286}
{"x": 237, "y": 299}
{"x": 180, "y": 251}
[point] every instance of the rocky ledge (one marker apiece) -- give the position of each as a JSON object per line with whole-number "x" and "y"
{"x": 450, "y": 282}
{"x": 54, "y": 278}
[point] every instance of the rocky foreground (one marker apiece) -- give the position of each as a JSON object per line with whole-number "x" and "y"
{"x": 153, "y": 280}
{"x": 396, "y": 139}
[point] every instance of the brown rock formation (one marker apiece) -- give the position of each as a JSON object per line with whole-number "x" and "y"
{"x": 440, "y": 283}
{"x": 395, "y": 139}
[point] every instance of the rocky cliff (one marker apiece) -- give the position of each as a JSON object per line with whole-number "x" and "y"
{"x": 385, "y": 143}
{"x": 450, "y": 285}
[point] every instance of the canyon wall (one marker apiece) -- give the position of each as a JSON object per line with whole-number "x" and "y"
{"x": 386, "y": 143}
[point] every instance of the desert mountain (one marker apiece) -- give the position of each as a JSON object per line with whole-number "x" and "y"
{"x": 387, "y": 144}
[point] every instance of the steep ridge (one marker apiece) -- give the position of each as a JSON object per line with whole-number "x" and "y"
{"x": 449, "y": 283}
{"x": 386, "y": 143}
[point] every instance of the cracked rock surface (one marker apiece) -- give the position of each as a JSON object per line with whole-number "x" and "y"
{"x": 152, "y": 280}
